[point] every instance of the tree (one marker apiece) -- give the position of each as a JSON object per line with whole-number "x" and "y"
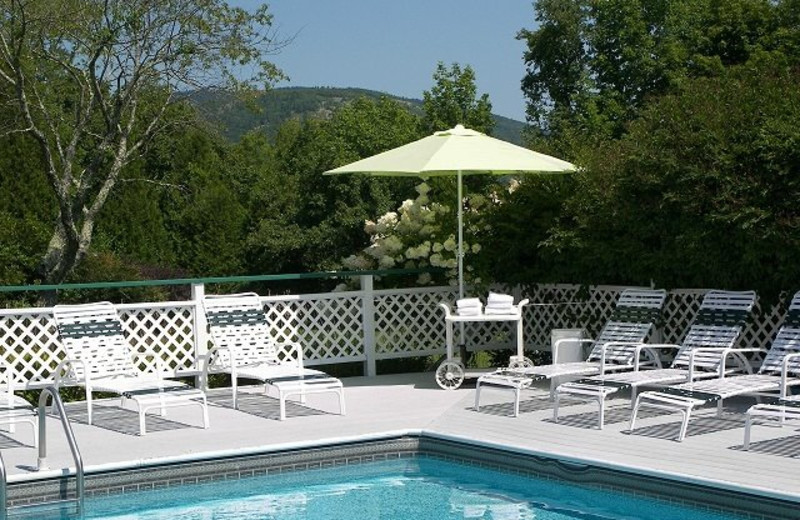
{"x": 318, "y": 219}
{"x": 453, "y": 100}
{"x": 593, "y": 64}
{"x": 91, "y": 82}
{"x": 701, "y": 192}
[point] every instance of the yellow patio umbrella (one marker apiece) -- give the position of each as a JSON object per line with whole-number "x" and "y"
{"x": 458, "y": 151}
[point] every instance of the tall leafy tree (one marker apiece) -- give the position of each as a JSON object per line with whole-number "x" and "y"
{"x": 92, "y": 80}
{"x": 454, "y": 100}
{"x": 592, "y": 64}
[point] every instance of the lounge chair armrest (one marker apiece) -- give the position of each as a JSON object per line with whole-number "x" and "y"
{"x": 62, "y": 368}
{"x": 724, "y": 352}
{"x": 650, "y": 346}
{"x": 295, "y": 348}
{"x": 522, "y": 303}
{"x": 785, "y": 372}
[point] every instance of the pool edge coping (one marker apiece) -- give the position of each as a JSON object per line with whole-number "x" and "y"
{"x": 206, "y": 456}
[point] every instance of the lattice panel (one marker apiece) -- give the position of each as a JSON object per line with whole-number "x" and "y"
{"x": 167, "y": 332}
{"x": 409, "y": 323}
{"x": 327, "y": 328}
{"x": 562, "y": 306}
{"x": 30, "y": 347}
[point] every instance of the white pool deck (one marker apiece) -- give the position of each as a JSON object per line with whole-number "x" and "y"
{"x": 411, "y": 403}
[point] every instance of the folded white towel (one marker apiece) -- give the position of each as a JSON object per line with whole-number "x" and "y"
{"x": 469, "y": 311}
{"x": 464, "y": 303}
{"x": 499, "y": 298}
{"x": 500, "y": 304}
{"x": 505, "y": 311}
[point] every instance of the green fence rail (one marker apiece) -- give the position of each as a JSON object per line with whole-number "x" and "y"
{"x": 216, "y": 279}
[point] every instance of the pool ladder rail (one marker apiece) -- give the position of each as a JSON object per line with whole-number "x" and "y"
{"x": 49, "y": 391}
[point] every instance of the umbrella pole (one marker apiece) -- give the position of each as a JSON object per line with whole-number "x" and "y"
{"x": 460, "y": 238}
{"x": 462, "y": 346}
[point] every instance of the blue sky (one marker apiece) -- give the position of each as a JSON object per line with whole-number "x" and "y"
{"x": 393, "y": 46}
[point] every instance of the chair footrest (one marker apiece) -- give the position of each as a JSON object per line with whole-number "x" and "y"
{"x": 505, "y": 380}
{"x": 683, "y": 394}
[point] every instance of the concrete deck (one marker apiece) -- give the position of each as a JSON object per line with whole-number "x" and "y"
{"x": 411, "y": 403}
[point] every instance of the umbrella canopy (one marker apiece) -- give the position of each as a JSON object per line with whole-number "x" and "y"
{"x": 454, "y": 150}
{"x": 458, "y": 151}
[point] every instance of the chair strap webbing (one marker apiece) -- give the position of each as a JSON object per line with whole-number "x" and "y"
{"x": 236, "y": 317}
{"x": 691, "y": 394}
{"x": 92, "y": 329}
{"x": 635, "y": 314}
{"x": 718, "y": 317}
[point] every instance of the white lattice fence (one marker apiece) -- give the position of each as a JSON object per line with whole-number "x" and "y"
{"x": 30, "y": 347}
{"x": 163, "y": 329}
{"x": 329, "y": 326}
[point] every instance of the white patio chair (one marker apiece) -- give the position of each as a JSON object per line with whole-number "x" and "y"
{"x": 708, "y": 350}
{"x": 245, "y": 349}
{"x": 13, "y": 408}
{"x": 99, "y": 359}
{"x": 782, "y": 361}
{"x": 630, "y": 325}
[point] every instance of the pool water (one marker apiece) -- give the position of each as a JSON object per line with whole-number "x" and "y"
{"x": 407, "y": 489}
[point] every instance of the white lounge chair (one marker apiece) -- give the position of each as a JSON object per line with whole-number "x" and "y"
{"x": 782, "y": 361}
{"x": 244, "y": 348}
{"x": 614, "y": 349}
{"x": 707, "y": 351}
{"x": 783, "y": 409}
{"x": 13, "y": 408}
{"x": 99, "y": 358}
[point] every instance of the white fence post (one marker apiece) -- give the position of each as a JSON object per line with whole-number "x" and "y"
{"x": 368, "y": 321}
{"x": 200, "y": 331}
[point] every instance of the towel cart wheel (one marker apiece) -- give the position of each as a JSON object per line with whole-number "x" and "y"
{"x": 520, "y": 362}
{"x": 450, "y": 375}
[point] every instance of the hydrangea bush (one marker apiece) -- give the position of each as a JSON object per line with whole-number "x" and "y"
{"x": 422, "y": 233}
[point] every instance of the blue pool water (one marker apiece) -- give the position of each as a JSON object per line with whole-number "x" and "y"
{"x": 409, "y": 489}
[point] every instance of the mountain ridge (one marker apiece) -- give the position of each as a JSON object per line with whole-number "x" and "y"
{"x": 275, "y": 106}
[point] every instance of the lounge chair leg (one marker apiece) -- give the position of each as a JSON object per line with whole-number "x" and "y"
{"x": 601, "y": 416}
{"x": 634, "y": 412}
{"x": 163, "y": 406}
{"x": 553, "y": 386}
{"x": 204, "y": 404}
{"x": 748, "y": 423}
{"x": 142, "y": 413}
{"x": 235, "y": 389}
{"x": 684, "y": 424}
{"x": 516, "y": 402}
{"x": 477, "y": 397}
{"x": 282, "y": 401}
{"x": 36, "y": 433}
{"x": 555, "y": 407}
{"x": 341, "y": 401}
{"x": 719, "y": 408}
{"x": 88, "y": 406}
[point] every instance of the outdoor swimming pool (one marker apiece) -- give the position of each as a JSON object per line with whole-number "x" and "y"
{"x": 406, "y": 489}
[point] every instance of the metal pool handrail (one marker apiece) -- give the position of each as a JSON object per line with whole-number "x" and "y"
{"x": 73, "y": 445}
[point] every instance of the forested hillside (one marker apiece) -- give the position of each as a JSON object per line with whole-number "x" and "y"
{"x": 267, "y": 111}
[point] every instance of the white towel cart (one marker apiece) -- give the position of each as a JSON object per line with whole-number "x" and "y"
{"x": 452, "y": 372}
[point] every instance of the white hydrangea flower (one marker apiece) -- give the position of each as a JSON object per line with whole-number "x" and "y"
{"x": 452, "y": 263}
{"x": 369, "y": 227}
{"x": 513, "y": 185}
{"x": 476, "y": 248}
{"x": 386, "y": 262}
{"x": 340, "y": 288}
{"x": 436, "y": 260}
{"x": 450, "y": 244}
{"x": 424, "y": 279}
{"x": 437, "y": 247}
{"x": 407, "y": 206}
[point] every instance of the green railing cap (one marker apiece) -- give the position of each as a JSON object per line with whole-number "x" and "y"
{"x": 216, "y": 279}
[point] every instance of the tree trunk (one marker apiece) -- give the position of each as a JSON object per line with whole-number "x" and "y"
{"x": 60, "y": 258}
